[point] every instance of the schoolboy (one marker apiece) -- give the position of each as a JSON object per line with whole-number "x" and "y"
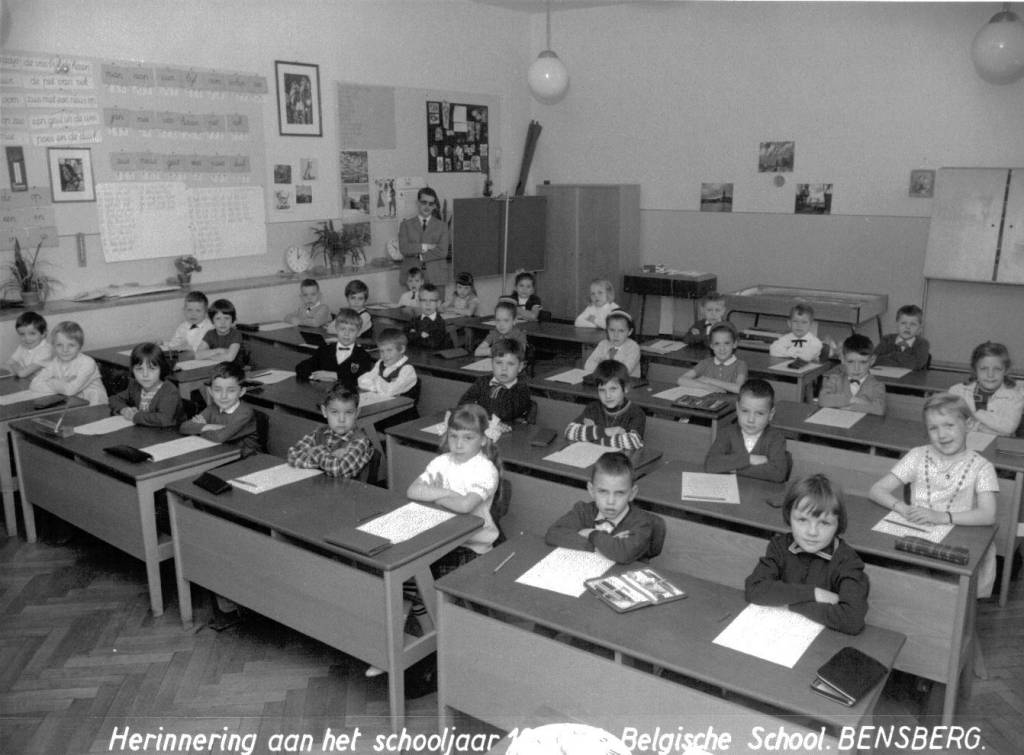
{"x": 607, "y": 523}
{"x": 34, "y": 350}
{"x": 224, "y": 342}
{"x": 751, "y": 446}
{"x": 612, "y": 420}
{"x": 906, "y": 347}
{"x": 392, "y": 375}
{"x": 189, "y": 335}
{"x": 428, "y": 330}
{"x": 70, "y": 372}
{"x": 356, "y": 294}
{"x": 413, "y": 282}
{"x": 339, "y": 448}
{"x": 341, "y": 362}
{"x": 504, "y": 327}
{"x": 799, "y": 342}
{"x": 851, "y": 385}
{"x": 714, "y": 312}
{"x": 226, "y": 419}
{"x": 312, "y": 313}
{"x": 503, "y": 394}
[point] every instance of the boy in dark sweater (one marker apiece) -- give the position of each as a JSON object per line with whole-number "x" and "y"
{"x": 611, "y": 420}
{"x": 503, "y": 394}
{"x": 429, "y": 330}
{"x": 226, "y": 419}
{"x": 342, "y": 362}
{"x": 751, "y": 446}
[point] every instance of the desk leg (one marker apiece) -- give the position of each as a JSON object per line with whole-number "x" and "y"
{"x": 425, "y": 583}
{"x": 963, "y": 631}
{"x": 643, "y": 311}
{"x": 7, "y": 483}
{"x": 444, "y": 711}
{"x": 395, "y": 616}
{"x": 147, "y": 519}
{"x": 28, "y": 512}
{"x": 184, "y": 586}
{"x": 1011, "y": 538}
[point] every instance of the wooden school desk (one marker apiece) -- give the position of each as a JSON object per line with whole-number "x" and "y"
{"x": 693, "y": 286}
{"x": 410, "y": 448}
{"x": 119, "y": 358}
{"x": 108, "y": 497}
{"x": 267, "y": 552}
{"x": 9, "y": 413}
{"x": 843, "y": 307}
{"x": 931, "y": 601}
{"x": 493, "y": 666}
{"x": 900, "y": 435}
{"x": 282, "y": 348}
{"x": 565, "y": 333}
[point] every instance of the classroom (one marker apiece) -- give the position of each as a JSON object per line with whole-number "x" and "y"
{"x": 672, "y": 105}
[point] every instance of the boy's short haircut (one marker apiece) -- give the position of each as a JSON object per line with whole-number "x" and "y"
{"x": 393, "y": 336}
{"x": 310, "y": 283}
{"x": 858, "y": 344}
{"x": 150, "y": 353}
{"x": 511, "y": 346}
{"x": 413, "y": 272}
{"x": 822, "y": 497}
{"x": 524, "y": 276}
{"x": 356, "y": 287}
{"x": 429, "y": 288}
{"x": 946, "y": 403}
{"x": 507, "y": 304}
{"x": 619, "y": 314}
{"x": 608, "y": 287}
{"x": 197, "y": 296}
{"x": 910, "y": 310}
{"x": 608, "y": 370}
{"x": 228, "y": 371}
{"x": 714, "y": 297}
{"x": 348, "y": 316}
{"x": 34, "y": 319}
{"x": 339, "y": 392}
{"x": 464, "y": 279}
{"x": 222, "y": 307}
{"x": 758, "y": 388}
{"x": 614, "y": 464}
{"x": 801, "y": 309}
{"x": 724, "y": 327}
{"x": 69, "y": 329}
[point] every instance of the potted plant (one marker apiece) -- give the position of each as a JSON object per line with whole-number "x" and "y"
{"x": 25, "y": 277}
{"x": 354, "y": 238}
{"x": 186, "y": 265}
{"x": 326, "y": 242}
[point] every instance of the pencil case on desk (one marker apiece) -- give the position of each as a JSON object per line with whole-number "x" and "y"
{"x": 920, "y": 547}
{"x": 128, "y": 453}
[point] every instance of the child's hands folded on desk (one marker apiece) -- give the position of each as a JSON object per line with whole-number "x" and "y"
{"x": 921, "y": 515}
{"x": 757, "y": 459}
{"x": 128, "y": 412}
{"x": 825, "y": 596}
{"x": 325, "y": 376}
{"x": 611, "y": 432}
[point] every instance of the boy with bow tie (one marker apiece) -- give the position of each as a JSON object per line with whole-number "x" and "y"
{"x": 799, "y": 342}
{"x": 851, "y": 385}
{"x": 341, "y": 362}
{"x": 905, "y": 348}
{"x": 503, "y": 394}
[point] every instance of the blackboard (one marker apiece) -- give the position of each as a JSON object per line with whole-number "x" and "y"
{"x": 479, "y": 228}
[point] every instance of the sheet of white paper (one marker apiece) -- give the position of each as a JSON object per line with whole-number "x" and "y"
{"x": 480, "y": 365}
{"x": 177, "y": 447}
{"x": 18, "y": 396}
{"x": 104, "y": 426}
{"x": 270, "y": 376}
{"x": 368, "y": 398}
{"x": 978, "y": 441}
{"x": 436, "y": 429}
{"x": 488, "y": 322}
{"x": 890, "y": 372}
{"x": 772, "y": 633}
{"x": 382, "y": 305}
{"x": 572, "y": 377}
{"x": 405, "y": 522}
{"x": 895, "y": 524}
{"x": 274, "y": 477}
{"x": 125, "y": 353}
{"x": 564, "y": 571}
{"x": 450, "y": 315}
{"x": 835, "y": 417}
{"x": 684, "y": 390}
{"x": 701, "y": 486}
{"x": 268, "y": 326}
{"x": 195, "y": 364}
{"x": 579, "y": 454}
{"x": 664, "y": 346}
{"x": 782, "y": 367}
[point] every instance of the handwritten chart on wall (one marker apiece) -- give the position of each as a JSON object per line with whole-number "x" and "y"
{"x": 176, "y": 153}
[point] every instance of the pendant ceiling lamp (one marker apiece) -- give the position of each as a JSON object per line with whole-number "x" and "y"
{"x": 548, "y": 77}
{"x": 998, "y": 49}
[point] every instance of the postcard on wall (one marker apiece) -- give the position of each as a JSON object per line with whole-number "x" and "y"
{"x": 715, "y": 197}
{"x": 308, "y": 169}
{"x": 282, "y": 174}
{"x": 386, "y": 197}
{"x": 354, "y": 167}
{"x": 776, "y": 157}
{"x": 813, "y": 199}
{"x": 922, "y": 184}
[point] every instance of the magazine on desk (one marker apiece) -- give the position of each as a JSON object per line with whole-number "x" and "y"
{"x": 634, "y": 589}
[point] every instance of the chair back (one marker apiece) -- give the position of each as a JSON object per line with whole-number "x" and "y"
{"x": 500, "y": 505}
{"x": 657, "y": 537}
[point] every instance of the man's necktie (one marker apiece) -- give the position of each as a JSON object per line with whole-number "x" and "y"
{"x": 496, "y": 388}
{"x": 423, "y": 222}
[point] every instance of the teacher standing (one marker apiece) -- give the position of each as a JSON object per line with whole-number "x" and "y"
{"x": 425, "y": 238}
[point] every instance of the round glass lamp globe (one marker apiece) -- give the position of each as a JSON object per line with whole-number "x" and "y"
{"x": 548, "y": 78}
{"x": 998, "y": 49}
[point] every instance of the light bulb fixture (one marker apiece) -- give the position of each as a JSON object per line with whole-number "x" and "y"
{"x": 548, "y": 77}
{"x": 998, "y": 49}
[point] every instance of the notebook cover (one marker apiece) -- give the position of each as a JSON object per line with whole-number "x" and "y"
{"x": 128, "y": 453}
{"x": 851, "y": 673}
{"x": 313, "y": 339}
{"x": 646, "y": 578}
{"x": 955, "y": 554}
{"x": 211, "y": 483}
{"x": 357, "y": 541}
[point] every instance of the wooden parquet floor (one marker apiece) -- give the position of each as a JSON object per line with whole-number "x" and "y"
{"x": 80, "y": 655}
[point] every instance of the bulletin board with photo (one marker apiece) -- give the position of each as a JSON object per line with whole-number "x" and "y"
{"x": 457, "y": 139}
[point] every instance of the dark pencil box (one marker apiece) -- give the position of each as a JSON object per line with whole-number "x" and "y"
{"x": 128, "y": 453}
{"x": 211, "y": 483}
{"x": 921, "y": 547}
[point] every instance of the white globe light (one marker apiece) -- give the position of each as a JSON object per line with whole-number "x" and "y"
{"x": 998, "y": 49}
{"x": 548, "y": 78}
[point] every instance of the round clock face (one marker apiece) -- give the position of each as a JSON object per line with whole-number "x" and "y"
{"x": 297, "y": 258}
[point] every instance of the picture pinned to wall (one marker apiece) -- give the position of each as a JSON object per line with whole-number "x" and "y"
{"x": 303, "y": 194}
{"x": 354, "y": 167}
{"x": 457, "y": 138}
{"x": 715, "y": 197}
{"x": 355, "y": 184}
{"x": 813, "y": 199}
{"x": 387, "y": 201}
{"x": 776, "y": 157}
{"x": 922, "y": 184}
{"x": 282, "y": 174}
{"x": 309, "y": 168}
{"x": 71, "y": 177}
{"x": 16, "y": 168}
{"x": 282, "y": 199}
{"x": 298, "y": 99}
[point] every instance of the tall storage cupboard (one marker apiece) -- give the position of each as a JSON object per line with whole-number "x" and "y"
{"x": 593, "y": 231}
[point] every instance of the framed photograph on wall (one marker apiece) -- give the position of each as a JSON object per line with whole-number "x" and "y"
{"x": 922, "y": 184}
{"x": 298, "y": 99}
{"x": 71, "y": 174}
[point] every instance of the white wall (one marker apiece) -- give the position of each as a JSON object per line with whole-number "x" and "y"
{"x": 673, "y": 94}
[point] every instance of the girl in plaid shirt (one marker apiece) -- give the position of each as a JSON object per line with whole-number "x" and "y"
{"x": 340, "y": 449}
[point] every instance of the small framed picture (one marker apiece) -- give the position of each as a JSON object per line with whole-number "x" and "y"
{"x": 922, "y": 184}
{"x": 298, "y": 99}
{"x": 71, "y": 174}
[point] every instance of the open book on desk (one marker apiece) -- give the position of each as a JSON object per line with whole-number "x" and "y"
{"x": 634, "y": 589}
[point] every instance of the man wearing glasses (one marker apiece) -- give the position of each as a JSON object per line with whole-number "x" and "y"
{"x": 425, "y": 237}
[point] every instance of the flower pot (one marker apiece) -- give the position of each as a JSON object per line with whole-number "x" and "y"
{"x": 32, "y": 299}
{"x": 184, "y": 279}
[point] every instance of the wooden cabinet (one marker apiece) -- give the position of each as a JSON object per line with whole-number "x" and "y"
{"x": 977, "y": 227}
{"x": 593, "y": 231}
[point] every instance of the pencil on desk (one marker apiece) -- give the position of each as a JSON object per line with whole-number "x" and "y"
{"x": 504, "y": 561}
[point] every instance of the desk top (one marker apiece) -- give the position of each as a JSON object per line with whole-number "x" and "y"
{"x": 677, "y": 635}
{"x": 90, "y": 447}
{"x": 662, "y": 488}
{"x": 304, "y": 398}
{"x": 10, "y": 412}
{"x": 759, "y": 363}
{"x": 515, "y": 450}
{"x": 114, "y": 357}
{"x": 289, "y": 336}
{"x": 311, "y": 508}
{"x": 680, "y": 285}
{"x": 925, "y": 382}
{"x": 832, "y": 306}
{"x": 549, "y": 331}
